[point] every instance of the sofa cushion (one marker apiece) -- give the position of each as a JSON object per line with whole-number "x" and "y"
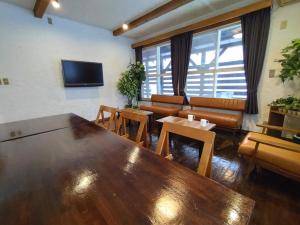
{"x": 162, "y": 110}
{"x": 220, "y": 119}
{"x": 167, "y": 99}
{"x": 219, "y": 103}
{"x": 281, "y": 158}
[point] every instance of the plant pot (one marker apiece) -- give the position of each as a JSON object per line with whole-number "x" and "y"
{"x": 275, "y": 107}
{"x": 129, "y": 104}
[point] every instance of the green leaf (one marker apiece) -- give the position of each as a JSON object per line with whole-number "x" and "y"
{"x": 291, "y": 61}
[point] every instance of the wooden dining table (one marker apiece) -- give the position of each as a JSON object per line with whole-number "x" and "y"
{"x": 24, "y": 128}
{"x": 86, "y": 175}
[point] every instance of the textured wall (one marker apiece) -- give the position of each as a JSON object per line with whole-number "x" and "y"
{"x": 30, "y": 54}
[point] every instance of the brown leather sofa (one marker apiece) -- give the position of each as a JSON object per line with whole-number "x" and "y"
{"x": 221, "y": 119}
{"x": 161, "y": 105}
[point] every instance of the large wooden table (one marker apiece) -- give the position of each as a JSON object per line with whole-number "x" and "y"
{"x": 24, "y": 128}
{"x": 86, "y": 175}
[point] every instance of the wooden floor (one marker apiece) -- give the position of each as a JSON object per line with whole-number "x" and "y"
{"x": 277, "y": 198}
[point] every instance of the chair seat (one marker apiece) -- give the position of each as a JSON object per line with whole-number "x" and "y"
{"x": 284, "y": 159}
{"x": 220, "y": 119}
{"x": 162, "y": 110}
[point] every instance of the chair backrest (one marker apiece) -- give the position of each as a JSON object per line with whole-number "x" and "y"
{"x": 208, "y": 137}
{"x": 167, "y": 99}
{"x": 219, "y": 103}
{"x": 142, "y": 119}
{"x": 100, "y": 120}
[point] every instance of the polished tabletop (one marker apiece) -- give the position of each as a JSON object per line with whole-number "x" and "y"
{"x": 15, "y": 130}
{"x": 186, "y": 122}
{"x": 85, "y": 175}
{"x": 138, "y": 111}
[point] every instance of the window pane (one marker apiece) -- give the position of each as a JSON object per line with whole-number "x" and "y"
{"x": 203, "y": 51}
{"x": 200, "y": 81}
{"x": 216, "y": 66}
{"x": 200, "y": 85}
{"x": 157, "y": 61}
{"x": 231, "y": 48}
{"x": 231, "y": 85}
{"x": 150, "y": 62}
{"x": 165, "y": 59}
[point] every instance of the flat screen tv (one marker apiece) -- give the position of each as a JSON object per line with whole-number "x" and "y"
{"x": 82, "y": 74}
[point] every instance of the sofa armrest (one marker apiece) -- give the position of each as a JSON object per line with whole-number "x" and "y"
{"x": 293, "y": 148}
{"x": 278, "y": 128}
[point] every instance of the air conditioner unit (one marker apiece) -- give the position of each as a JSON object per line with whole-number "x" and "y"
{"x": 286, "y": 2}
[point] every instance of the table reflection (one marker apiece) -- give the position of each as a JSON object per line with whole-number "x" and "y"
{"x": 169, "y": 207}
{"x": 84, "y": 181}
{"x": 132, "y": 158}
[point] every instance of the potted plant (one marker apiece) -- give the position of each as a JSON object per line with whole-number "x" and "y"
{"x": 296, "y": 107}
{"x": 289, "y": 104}
{"x": 130, "y": 82}
{"x": 277, "y": 104}
{"x": 291, "y": 61}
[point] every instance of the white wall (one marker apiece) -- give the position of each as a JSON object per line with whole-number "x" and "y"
{"x": 272, "y": 88}
{"x": 30, "y": 54}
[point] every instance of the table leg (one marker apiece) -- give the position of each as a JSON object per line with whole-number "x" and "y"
{"x": 150, "y": 121}
{"x": 145, "y": 136}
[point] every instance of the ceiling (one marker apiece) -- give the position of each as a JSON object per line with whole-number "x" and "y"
{"x": 110, "y": 14}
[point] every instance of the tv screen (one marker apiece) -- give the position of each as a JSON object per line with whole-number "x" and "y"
{"x": 82, "y": 74}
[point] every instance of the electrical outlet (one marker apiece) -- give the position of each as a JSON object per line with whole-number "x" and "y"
{"x": 5, "y": 81}
{"x": 49, "y": 19}
{"x": 283, "y": 24}
{"x": 272, "y": 73}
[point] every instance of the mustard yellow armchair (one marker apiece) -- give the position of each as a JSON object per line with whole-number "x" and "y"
{"x": 275, "y": 154}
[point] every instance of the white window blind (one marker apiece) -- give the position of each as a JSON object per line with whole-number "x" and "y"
{"x": 157, "y": 62}
{"x": 216, "y": 66}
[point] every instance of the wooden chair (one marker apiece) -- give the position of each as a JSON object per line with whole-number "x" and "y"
{"x": 272, "y": 153}
{"x": 208, "y": 137}
{"x": 109, "y": 124}
{"x": 142, "y": 131}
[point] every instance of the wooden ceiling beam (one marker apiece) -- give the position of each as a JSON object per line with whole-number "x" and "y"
{"x": 207, "y": 24}
{"x": 40, "y": 8}
{"x": 173, "y": 4}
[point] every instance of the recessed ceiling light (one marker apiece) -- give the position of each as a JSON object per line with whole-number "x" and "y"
{"x": 55, "y": 4}
{"x": 125, "y": 26}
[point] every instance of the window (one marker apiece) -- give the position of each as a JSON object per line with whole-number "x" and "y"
{"x": 216, "y": 66}
{"x": 157, "y": 62}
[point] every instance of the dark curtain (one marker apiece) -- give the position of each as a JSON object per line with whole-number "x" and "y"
{"x": 139, "y": 58}
{"x": 180, "y": 56}
{"x": 255, "y": 27}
